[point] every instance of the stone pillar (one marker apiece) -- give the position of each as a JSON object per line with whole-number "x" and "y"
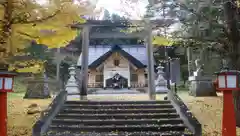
{"x": 105, "y": 77}
{"x": 129, "y": 77}
{"x": 84, "y": 65}
{"x": 104, "y": 82}
{"x": 151, "y": 77}
{"x": 189, "y": 58}
{"x": 72, "y": 86}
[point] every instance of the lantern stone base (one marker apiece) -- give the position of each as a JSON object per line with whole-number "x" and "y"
{"x": 73, "y": 97}
{"x": 71, "y": 90}
{"x": 161, "y": 89}
{"x": 201, "y": 86}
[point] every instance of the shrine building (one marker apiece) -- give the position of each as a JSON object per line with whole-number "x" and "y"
{"x": 122, "y": 66}
{"x": 116, "y": 59}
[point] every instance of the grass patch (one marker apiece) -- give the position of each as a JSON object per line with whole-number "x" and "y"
{"x": 14, "y": 95}
{"x": 19, "y": 122}
{"x": 208, "y": 111}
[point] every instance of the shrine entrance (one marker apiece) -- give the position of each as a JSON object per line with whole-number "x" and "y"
{"x": 117, "y": 82}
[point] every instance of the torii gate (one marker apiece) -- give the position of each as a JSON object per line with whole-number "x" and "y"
{"x": 146, "y": 34}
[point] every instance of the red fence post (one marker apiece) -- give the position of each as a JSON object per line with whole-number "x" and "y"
{"x": 3, "y": 113}
{"x": 228, "y": 117}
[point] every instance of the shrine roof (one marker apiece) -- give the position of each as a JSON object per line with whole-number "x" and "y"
{"x": 136, "y": 54}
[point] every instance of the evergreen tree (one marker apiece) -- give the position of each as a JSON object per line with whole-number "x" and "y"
{"x": 106, "y": 15}
{"x": 116, "y": 17}
{"x": 212, "y": 25}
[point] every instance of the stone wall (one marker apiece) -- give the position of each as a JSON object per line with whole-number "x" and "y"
{"x": 141, "y": 76}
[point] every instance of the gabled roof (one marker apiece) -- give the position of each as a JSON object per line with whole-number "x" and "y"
{"x": 136, "y": 54}
{"x": 118, "y": 49}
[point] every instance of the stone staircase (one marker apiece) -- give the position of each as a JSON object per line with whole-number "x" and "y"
{"x": 117, "y": 118}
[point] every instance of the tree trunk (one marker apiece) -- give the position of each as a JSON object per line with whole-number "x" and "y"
{"x": 231, "y": 17}
{"x": 6, "y": 28}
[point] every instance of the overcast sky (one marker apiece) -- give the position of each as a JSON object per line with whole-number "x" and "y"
{"x": 115, "y": 6}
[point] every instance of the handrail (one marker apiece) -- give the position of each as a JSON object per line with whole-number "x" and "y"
{"x": 41, "y": 126}
{"x": 189, "y": 120}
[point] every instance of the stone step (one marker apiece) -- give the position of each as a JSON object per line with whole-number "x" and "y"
{"x": 119, "y": 116}
{"x": 142, "y": 133}
{"x": 117, "y": 92}
{"x": 116, "y": 122}
{"x": 116, "y": 128}
{"x": 117, "y": 102}
{"x": 118, "y": 106}
{"x": 117, "y": 111}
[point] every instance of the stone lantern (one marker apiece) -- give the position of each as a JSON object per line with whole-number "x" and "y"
{"x": 72, "y": 83}
{"x": 161, "y": 82}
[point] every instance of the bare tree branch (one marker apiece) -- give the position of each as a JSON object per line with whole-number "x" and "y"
{"x": 205, "y": 39}
{"x": 38, "y": 20}
{"x": 20, "y": 4}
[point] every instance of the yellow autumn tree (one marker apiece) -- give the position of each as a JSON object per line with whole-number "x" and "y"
{"x": 45, "y": 21}
{"x": 162, "y": 41}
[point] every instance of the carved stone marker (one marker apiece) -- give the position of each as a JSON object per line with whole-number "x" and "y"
{"x": 37, "y": 88}
{"x": 72, "y": 85}
{"x": 200, "y": 85}
{"x": 161, "y": 82}
{"x": 199, "y": 68}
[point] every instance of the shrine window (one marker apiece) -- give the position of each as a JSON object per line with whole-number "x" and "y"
{"x": 134, "y": 77}
{"x": 146, "y": 76}
{"x": 99, "y": 78}
{"x": 116, "y": 62}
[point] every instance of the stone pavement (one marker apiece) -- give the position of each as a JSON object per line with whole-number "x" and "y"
{"x": 120, "y": 97}
{"x": 117, "y": 91}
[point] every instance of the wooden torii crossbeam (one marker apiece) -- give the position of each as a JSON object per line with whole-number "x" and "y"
{"x": 146, "y": 34}
{"x": 125, "y": 23}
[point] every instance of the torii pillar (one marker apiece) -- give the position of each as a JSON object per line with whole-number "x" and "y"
{"x": 151, "y": 73}
{"x": 84, "y": 63}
